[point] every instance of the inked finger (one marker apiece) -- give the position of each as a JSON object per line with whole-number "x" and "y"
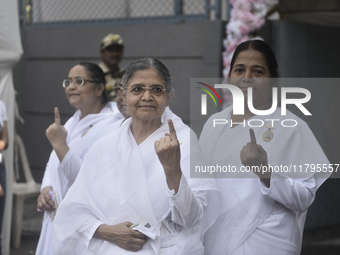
{"x": 56, "y": 116}
{"x": 252, "y": 137}
{"x": 172, "y": 130}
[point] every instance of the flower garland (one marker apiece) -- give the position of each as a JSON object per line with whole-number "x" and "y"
{"x": 247, "y": 16}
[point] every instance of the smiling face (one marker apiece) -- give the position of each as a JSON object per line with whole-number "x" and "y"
{"x": 85, "y": 96}
{"x": 147, "y": 106}
{"x": 251, "y": 70}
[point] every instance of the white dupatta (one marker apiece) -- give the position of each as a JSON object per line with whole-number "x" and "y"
{"x": 247, "y": 203}
{"x": 82, "y": 133}
{"x": 114, "y": 185}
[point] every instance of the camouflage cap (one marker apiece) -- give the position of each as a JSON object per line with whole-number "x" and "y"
{"x": 111, "y": 39}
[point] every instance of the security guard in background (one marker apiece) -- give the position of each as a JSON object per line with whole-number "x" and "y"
{"x": 111, "y": 51}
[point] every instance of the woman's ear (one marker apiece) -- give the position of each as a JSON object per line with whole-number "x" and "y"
{"x": 169, "y": 97}
{"x": 101, "y": 90}
{"x": 122, "y": 94}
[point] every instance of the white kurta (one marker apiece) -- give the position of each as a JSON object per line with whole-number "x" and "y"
{"x": 81, "y": 135}
{"x": 129, "y": 184}
{"x": 256, "y": 219}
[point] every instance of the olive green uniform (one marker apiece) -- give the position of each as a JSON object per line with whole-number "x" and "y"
{"x": 111, "y": 82}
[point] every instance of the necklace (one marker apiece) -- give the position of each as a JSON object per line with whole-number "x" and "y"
{"x": 268, "y": 135}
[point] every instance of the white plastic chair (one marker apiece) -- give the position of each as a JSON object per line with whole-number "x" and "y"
{"x": 21, "y": 190}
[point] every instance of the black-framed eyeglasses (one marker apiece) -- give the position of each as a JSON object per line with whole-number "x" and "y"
{"x": 79, "y": 81}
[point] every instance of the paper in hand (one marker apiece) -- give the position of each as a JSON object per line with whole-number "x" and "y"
{"x": 55, "y": 198}
{"x": 145, "y": 228}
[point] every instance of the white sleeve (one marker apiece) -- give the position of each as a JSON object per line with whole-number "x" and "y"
{"x": 47, "y": 179}
{"x": 70, "y": 166}
{"x": 296, "y": 190}
{"x": 187, "y": 207}
{"x": 295, "y": 194}
{"x": 86, "y": 232}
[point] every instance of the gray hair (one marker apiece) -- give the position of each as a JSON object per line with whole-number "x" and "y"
{"x": 145, "y": 64}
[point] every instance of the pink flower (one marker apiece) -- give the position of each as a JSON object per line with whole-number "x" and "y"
{"x": 230, "y": 48}
{"x": 226, "y": 72}
{"x": 257, "y": 22}
{"x": 244, "y": 29}
{"x": 225, "y": 58}
{"x": 233, "y": 27}
{"x": 242, "y": 5}
{"x": 246, "y": 16}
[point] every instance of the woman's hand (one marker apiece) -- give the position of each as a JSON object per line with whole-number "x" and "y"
{"x": 252, "y": 155}
{"x": 4, "y": 137}
{"x": 44, "y": 201}
{"x": 2, "y": 145}
{"x": 122, "y": 235}
{"x": 169, "y": 154}
{"x": 57, "y": 135}
{"x": 2, "y": 192}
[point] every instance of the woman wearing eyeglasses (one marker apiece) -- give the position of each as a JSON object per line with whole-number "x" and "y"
{"x": 140, "y": 197}
{"x": 95, "y": 117}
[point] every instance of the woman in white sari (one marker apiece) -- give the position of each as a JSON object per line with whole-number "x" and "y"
{"x": 263, "y": 212}
{"x": 139, "y": 176}
{"x": 95, "y": 117}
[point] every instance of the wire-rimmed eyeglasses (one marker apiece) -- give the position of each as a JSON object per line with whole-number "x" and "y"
{"x": 79, "y": 81}
{"x": 156, "y": 90}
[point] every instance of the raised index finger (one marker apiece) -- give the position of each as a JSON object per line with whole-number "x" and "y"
{"x": 252, "y": 137}
{"x": 56, "y": 116}
{"x": 172, "y": 130}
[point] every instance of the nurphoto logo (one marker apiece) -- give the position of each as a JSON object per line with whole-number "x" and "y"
{"x": 239, "y": 103}
{"x": 204, "y": 97}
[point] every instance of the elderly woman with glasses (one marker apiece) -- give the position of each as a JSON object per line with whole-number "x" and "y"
{"x": 95, "y": 117}
{"x": 134, "y": 191}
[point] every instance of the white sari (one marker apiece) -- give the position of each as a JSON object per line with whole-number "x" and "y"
{"x": 82, "y": 133}
{"x": 122, "y": 181}
{"x": 256, "y": 219}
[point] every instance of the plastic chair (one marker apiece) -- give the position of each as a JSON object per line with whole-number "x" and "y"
{"x": 21, "y": 190}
